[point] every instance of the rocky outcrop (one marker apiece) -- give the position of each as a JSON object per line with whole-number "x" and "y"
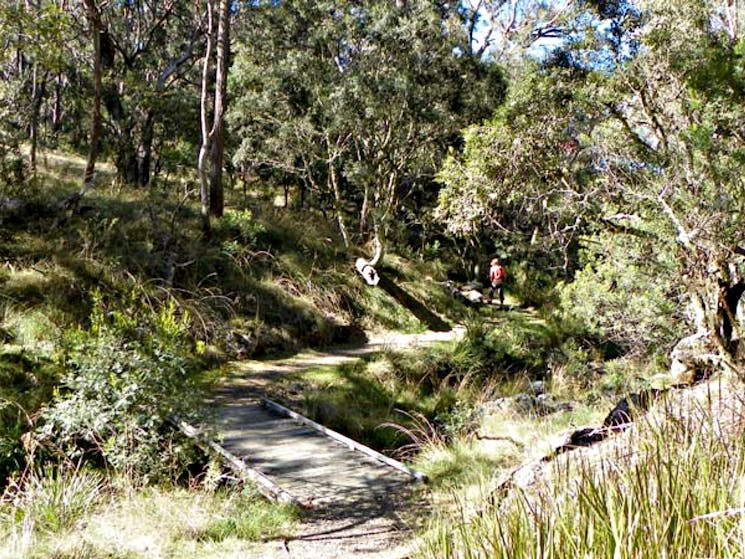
{"x": 535, "y": 401}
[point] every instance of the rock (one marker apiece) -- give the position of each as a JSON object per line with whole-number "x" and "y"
{"x": 454, "y": 292}
{"x": 523, "y": 403}
{"x": 546, "y": 405}
{"x": 619, "y": 417}
{"x": 692, "y": 359}
{"x": 538, "y": 387}
{"x": 473, "y": 296}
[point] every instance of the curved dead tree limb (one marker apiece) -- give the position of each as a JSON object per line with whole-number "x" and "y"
{"x": 366, "y": 268}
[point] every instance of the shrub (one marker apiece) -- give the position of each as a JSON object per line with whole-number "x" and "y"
{"x": 26, "y": 383}
{"x": 622, "y": 297}
{"x": 532, "y": 285}
{"x": 13, "y": 171}
{"x": 125, "y": 377}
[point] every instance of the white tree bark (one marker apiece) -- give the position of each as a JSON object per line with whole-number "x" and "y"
{"x": 204, "y": 101}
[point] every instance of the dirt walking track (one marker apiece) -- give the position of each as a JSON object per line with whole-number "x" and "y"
{"x": 355, "y": 504}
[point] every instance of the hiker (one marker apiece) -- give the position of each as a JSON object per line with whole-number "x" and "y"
{"x": 497, "y": 277}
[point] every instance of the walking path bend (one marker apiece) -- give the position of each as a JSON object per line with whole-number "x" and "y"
{"x": 355, "y": 502}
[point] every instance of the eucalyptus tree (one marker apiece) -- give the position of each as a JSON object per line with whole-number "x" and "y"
{"x": 505, "y": 29}
{"x": 679, "y": 116}
{"x": 147, "y": 50}
{"x": 647, "y": 143}
{"x": 522, "y": 174}
{"x": 358, "y": 102}
{"x": 216, "y": 29}
{"x": 93, "y": 13}
{"x": 36, "y": 50}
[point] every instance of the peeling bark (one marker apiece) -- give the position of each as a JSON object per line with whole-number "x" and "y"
{"x": 204, "y": 148}
{"x": 217, "y": 134}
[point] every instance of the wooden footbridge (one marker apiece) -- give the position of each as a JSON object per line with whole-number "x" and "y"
{"x": 298, "y": 460}
{"x": 352, "y": 494}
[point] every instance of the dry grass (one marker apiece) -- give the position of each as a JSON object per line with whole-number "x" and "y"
{"x": 668, "y": 487}
{"x": 155, "y": 523}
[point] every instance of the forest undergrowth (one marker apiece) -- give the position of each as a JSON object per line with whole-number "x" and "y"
{"x": 115, "y": 310}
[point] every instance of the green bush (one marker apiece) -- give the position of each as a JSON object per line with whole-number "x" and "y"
{"x": 531, "y": 284}
{"x": 26, "y": 383}
{"x": 13, "y": 169}
{"x": 125, "y": 377}
{"x": 622, "y": 297}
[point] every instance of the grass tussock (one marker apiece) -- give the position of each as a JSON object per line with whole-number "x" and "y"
{"x": 671, "y": 487}
{"x": 78, "y": 515}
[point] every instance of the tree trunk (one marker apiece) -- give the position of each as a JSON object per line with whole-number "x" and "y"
{"x": 57, "y": 107}
{"x": 365, "y": 210}
{"x": 715, "y": 344}
{"x": 217, "y": 135}
{"x": 144, "y": 154}
{"x": 126, "y": 156}
{"x": 338, "y": 204}
{"x": 204, "y": 148}
{"x": 37, "y": 95}
{"x": 729, "y": 298}
{"x": 94, "y": 18}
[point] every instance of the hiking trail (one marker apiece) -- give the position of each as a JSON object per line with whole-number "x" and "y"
{"x": 356, "y": 505}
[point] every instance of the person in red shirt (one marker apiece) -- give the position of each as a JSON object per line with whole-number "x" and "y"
{"x": 497, "y": 277}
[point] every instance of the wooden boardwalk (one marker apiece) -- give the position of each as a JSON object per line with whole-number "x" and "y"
{"x": 356, "y": 505}
{"x": 312, "y": 467}
{"x": 352, "y": 501}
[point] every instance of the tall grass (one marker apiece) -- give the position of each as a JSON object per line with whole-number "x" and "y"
{"x": 670, "y": 488}
{"x": 74, "y": 515}
{"x": 48, "y": 501}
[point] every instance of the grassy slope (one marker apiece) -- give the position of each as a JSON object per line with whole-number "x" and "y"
{"x": 261, "y": 284}
{"x": 671, "y": 486}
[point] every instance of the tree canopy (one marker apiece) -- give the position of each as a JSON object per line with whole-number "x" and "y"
{"x": 538, "y": 130}
{"x": 646, "y": 145}
{"x": 356, "y": 102}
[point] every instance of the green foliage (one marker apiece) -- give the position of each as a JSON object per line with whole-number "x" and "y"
{"x": 246, "y": 231}
{"x": 312, "y": 100}
{"x": 357, "y": 406}
{"x": 27, "y": 382}
{"x": 533, "y": 284}
{"x": 623, "y": 295}
{"x": 13, "y": 173}
{"x": 571, "y": 154}
{"x": 519, "y": 345}
{"x": 512, "y": 169}
{"x": 126, "y": 375}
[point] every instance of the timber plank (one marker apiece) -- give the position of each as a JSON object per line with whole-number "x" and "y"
{"x": 306, "y": 463}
